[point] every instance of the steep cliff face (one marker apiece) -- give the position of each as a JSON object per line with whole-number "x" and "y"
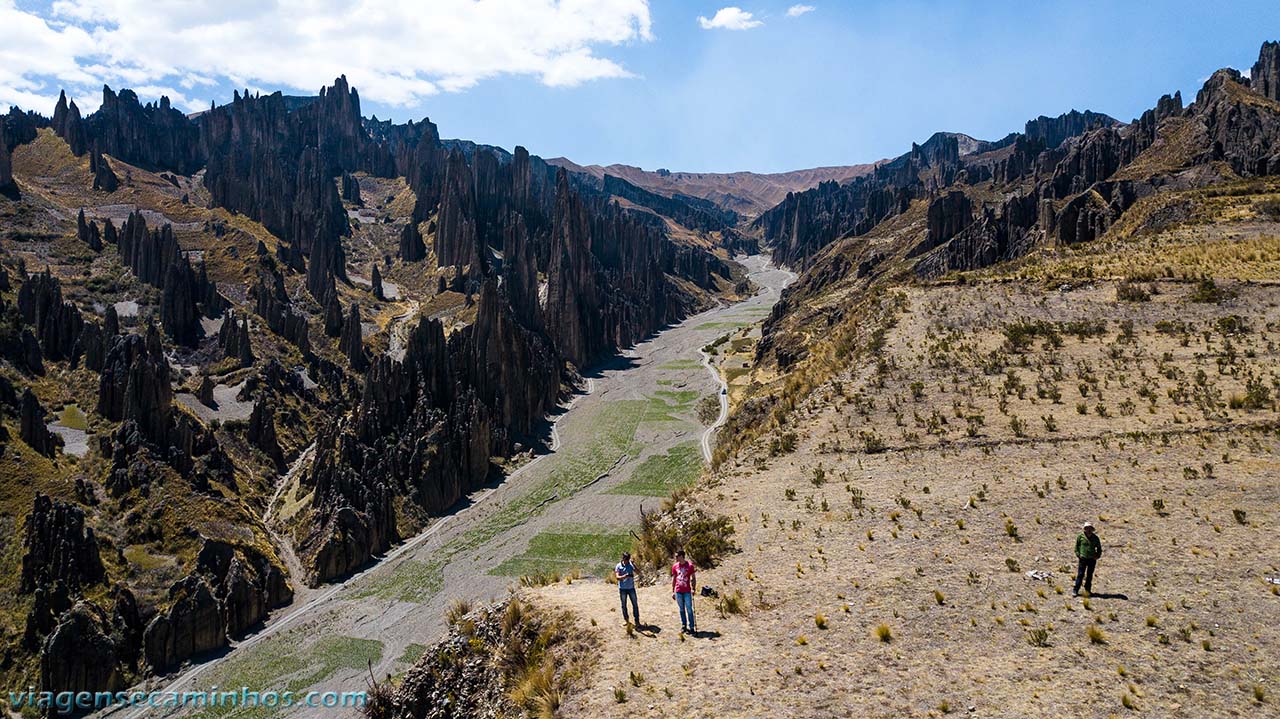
{"x": 278, "y": 166}
{"x": 154, "y": 135}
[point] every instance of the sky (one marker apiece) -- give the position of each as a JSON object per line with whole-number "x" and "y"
{"x": 677, "y": 84}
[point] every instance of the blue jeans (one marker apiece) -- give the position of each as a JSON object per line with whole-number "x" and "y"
{"x": 624, "y": 595}
{"x": 684, "y": 600}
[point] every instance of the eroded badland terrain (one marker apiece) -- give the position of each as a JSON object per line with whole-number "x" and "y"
{"x": 302, "y": 400}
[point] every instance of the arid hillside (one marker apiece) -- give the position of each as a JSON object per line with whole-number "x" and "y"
{"x": 987, "y": 347}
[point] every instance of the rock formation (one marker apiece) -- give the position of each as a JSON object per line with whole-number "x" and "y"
{"x": 262, "y": 434}
{"x": 33, "y": 431}
{"x": 351, "y": 344}
{"x": 1265, "y": 76}
{"x": 57, "y": 324}
{"x": 81, "y": 655}
{"x": 412, "y": 248}
{"x": 135, "y": 384}
{"x": 58, "y": 548}
{"x": 351, "y": 189}
{"x": 7, "y": 184}
{"x": 155, "y": 135}
{"x": 273, "y": 305}
{"x": 88, "y": 233}
{"x": 68, "y": 125}
{"x": 375, "y": 283}
{"x": 234, "y": 338}
{"x": 104, "y": 178}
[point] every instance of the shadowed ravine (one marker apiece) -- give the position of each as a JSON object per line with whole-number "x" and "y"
{"x": 638, "y": 407}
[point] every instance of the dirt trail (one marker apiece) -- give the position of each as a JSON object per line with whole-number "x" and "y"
{"x": 636, "y": 408}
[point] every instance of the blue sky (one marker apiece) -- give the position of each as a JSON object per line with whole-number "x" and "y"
{"x": 645, "y": 83}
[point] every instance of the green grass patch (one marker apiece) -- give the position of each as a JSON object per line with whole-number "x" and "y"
{"x": 665, "y": 403}
{"x": 412, "y": 653}
{"x": 409, "y": 581}
{"x": 280, "y": 663}
{"x": 71, "y": 417}
{"x": 586, "y": 548}
{"x": 613, "y": 432}
{"x": 662, "y": 474}
{"x": 681, "y": 364}
{"x": 143, "y": 558}
{"x": 723, "y": 325}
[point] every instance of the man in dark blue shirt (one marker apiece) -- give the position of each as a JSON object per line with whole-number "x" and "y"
{"x": 625, "y": 573}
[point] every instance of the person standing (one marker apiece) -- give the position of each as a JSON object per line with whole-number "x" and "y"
{"x": 625, "y": 573}
{"x": 1088, "y": 549}
{"x": 684, "y": 581}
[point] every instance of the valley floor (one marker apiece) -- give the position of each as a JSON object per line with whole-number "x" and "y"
{"x": 626, "y": 443}
{"x": 886, "y": 564}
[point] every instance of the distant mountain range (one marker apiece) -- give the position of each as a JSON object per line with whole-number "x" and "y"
{"x": 747, "y": 193}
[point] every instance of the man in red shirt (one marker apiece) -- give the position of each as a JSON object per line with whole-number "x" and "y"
{"x": 684, "y": 581}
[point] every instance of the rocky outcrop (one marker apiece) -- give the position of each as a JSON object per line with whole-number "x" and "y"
{"x": 57, "y": 324}
{"x": 412, "y": 248}
{"x": 1243, "y": 134}
{"x": 104, "y": 178}
{"x": 7, "y": 184}
{"x": 32, "y": 429}
{"x": 82, "y": 654}
{"x": 155, "y": 136}
{"x": 88, "y": 233}
{"x": 58, "y": 548}
{"x": 692, "y": 212}
{"x": 333, "y": 317}
{"x": 272, "y": 305}
{"x": 68, "y": 125}
{"x": 351, "y": 189}
{"x": 179, "y": 308}
{"x": 457, "y": 242}
{"x": 375, "y": 283}
{"x": 262, "y": 433}
{"x": 1264, "y": 79}
{"x": 193, "y": 623}
{"x": 135, "y": 385}
{"x": 351, "y": 344}
{"x": 947, "y": 216}
{"x": 1052, "y": 131}
{"x": 277, "y": 166}
{"x": 234, "y": 338}
{"x": 246, "y": 584}
{"x": 354, "y": 505}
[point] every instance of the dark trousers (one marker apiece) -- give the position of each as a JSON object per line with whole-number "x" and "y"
{"x": 623, "y": 596}
{"x": 1085, "y": 574}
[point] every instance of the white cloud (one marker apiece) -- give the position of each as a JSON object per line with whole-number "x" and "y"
{"x": 393, "y": 51}
{"x": 730, "y": 18}
{"x": 798, "y": 10}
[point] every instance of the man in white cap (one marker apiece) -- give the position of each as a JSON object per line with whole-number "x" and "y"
{"x": 1088, "y": 549}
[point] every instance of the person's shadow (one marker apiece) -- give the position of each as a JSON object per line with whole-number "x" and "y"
{"x": 703, "y": 634}
{"x": 1095, "y": 595}
{"x": 648, "y": 630}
